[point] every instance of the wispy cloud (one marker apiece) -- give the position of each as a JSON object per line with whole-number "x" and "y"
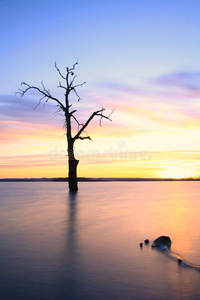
{"x": 177, "y": 85}
{"x": 30, "y": 160}
{"x": 12, "y": 131}
{"x": 163, "y": 100}
{"x": 24, "y": 110}
{"x": 186, "y": 80}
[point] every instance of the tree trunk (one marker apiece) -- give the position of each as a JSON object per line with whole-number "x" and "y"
{"x": 72, "y": 175}
{"x": 72, "y": 165}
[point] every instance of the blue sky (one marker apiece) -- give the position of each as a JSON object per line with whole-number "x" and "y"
{"x": 112, "y": 39}
{"x": 140, "y": 57}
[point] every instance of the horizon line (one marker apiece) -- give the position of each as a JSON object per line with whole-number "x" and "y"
{"x": 90, "y": 179}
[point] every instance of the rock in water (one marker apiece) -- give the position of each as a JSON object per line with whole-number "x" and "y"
{"x": 162, "y": 242}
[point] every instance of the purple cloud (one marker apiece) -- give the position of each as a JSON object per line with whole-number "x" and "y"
{"x": 15, "y": 108}
{"x": 186, "y": 80}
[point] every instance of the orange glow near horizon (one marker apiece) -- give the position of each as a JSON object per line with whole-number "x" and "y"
{"x": 115, "y": 164}
{"x": 178, "y": 172}
{"x": 142, "y": 141}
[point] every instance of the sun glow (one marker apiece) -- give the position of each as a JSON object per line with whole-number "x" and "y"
{"x": 178, "y": 172}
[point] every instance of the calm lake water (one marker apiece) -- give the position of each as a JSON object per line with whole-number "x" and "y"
{"x": 54, "y": 245}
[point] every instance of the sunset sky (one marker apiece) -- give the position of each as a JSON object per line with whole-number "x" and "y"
{"x": 141, "y": 58}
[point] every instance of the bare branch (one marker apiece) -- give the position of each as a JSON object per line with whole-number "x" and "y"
{"x": 103, "y": 116}
{"x": 72, "y": 112}
{"x": 73, "y": 68}
{"x": 111, "y": 113}
{"x": 61, "y": 86}
{"x": 44, "y": 92}
{"x": 59, "y": 71}
{"x": 74, "y": 89}
{"x": 84, "y": 138}
{"x": 79, "y": 124}
{"x": 81, "y": 84}
{"x": 79, "y": 98}
{"x": 76, "y": 120}
{"x": 95, "y": 113}
{"x": 39, "y": 102}
{"x": 71, "y": 83}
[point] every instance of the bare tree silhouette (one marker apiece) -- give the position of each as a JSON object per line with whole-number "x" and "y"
{"x": 69, "y": 114}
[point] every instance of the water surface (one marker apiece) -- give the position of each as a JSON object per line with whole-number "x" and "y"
{"x": 56, "y": 245}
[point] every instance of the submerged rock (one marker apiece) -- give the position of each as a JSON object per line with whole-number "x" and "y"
{"x": 162, "y": 242}
{"x": 179, "y": 261}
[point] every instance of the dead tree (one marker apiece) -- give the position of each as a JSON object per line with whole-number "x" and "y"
{"x": 66, "y": 107}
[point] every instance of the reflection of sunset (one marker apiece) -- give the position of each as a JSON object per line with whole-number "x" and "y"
{"x": 174, "y": 214}
{"x": 94, "y": 237}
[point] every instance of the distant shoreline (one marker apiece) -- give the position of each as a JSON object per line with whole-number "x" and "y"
{"x": 88, "y": 179}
